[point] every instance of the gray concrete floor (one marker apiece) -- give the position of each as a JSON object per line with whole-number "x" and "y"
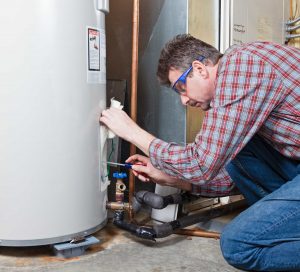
{"x": 119, "y": 251}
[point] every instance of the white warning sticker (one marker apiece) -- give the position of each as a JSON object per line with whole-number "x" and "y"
{"x": 96, "y": 70}
{"x": 93, "y": 49}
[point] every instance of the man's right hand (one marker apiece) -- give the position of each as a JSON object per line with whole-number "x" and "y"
{"x": 145, "y": 171}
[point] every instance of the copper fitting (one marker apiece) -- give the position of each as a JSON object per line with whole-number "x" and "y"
{"x": 117, "y": 206}
{"x": 120, "y": 188}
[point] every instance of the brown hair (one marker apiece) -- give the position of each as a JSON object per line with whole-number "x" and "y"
{"x": 180, "y": 52}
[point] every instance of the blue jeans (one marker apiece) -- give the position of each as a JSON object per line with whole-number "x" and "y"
{"x": 266, "y": 236}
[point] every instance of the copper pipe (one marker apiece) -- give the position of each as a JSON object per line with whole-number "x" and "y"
{"x": 198, "y": 233}
{"x": 134, "y": 76}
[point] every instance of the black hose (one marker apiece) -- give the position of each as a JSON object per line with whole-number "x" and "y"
{"x": 163, "y": 230}
{"x": 167, "y": 229}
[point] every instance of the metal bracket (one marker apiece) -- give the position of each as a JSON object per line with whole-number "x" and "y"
{"x": 71, "y": 249}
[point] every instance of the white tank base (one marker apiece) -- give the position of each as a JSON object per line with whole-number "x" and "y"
{"x": 50, "y": 241}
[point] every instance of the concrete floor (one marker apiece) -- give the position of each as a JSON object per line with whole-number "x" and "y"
{"x": 120, "y": 251}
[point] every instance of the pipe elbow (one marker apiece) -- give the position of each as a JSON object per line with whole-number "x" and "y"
{"x": 154, "y": 200}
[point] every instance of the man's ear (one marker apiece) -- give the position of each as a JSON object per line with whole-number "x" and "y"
{"x": 200, "y": 68}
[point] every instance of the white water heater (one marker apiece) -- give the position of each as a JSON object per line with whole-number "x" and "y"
{"x": 52, "y": 90}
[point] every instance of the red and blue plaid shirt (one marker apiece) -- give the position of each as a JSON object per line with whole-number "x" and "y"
{"x": 257, "y": 92}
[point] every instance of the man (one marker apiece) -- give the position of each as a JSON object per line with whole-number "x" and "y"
{"x": 250, "y": 135}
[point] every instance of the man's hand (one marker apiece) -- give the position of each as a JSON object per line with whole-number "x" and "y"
{"x": 122, "y": 125}
{"x": 145, "y": 171}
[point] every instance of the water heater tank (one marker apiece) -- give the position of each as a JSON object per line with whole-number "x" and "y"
{"x": 52, "y": 89}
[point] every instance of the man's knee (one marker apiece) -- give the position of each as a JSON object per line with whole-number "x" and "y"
{"x": 228, "y": 247}
{"x": 236, "y": 251}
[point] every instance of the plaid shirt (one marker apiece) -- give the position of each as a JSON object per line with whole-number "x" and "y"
{"x": 257, "y": 92}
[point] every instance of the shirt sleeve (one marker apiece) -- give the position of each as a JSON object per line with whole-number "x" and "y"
{"x": 221, "y": 185}
{"x": 247, "y": 90}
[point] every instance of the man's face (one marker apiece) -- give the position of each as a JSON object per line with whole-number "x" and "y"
{"x": 199, "y": 89}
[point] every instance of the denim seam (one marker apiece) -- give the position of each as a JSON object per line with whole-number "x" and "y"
{"x": 240, "y": 165}
{"x": 280, "y": 221}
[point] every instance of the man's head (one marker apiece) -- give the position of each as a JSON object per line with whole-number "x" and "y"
{"x": 189, "y": 66}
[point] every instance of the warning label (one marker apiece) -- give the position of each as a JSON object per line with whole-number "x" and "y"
{"x": 93, "y": 49}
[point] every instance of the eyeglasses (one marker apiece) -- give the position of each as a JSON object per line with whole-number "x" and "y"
{"x": 179, "y": 85}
